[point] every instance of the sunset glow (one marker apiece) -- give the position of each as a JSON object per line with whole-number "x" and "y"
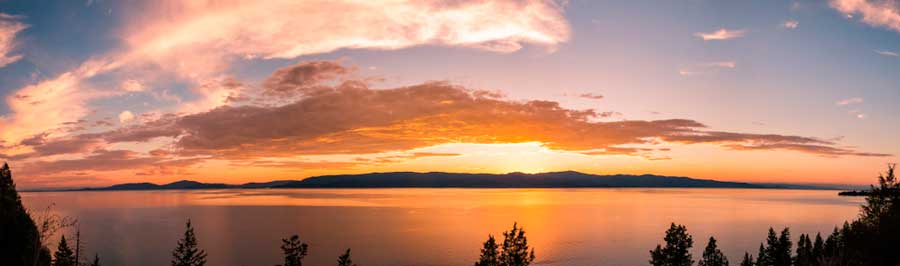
{"x": 238, "y": 91}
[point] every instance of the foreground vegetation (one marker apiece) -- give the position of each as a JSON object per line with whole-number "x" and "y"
{"x": 869, "y": 240}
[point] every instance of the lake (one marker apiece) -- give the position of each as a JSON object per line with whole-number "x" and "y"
{"x": 387, "y": 227}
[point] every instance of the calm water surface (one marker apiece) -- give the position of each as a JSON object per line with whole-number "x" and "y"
{"x": 436, "y": 226}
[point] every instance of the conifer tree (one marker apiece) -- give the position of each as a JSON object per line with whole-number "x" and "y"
{"x": 344, "y": 259}
{"x": 818, "y": 249}
{"x": 187, "y": 253}
{"x": 804, "y": 251}
{"x": 294, "y": 251}
{"x": 771, "y": 249}
{"x": 832, "y": 244}
{"x": 20, "y": 241}
{"x": 515, "y": 250}
{"x": 677, "y": 249}
{"x": 712, "y": 256}
{"x": 783, "y": 250}
{"x": 761, "y": 258}
{"x": 748, "y": 260}
{"x": 777, "y": 250}
{"x": 490, "y": 256}
{"x": 64, "y": 255}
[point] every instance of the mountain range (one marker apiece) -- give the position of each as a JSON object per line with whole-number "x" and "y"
{"x": 567, "y": 179}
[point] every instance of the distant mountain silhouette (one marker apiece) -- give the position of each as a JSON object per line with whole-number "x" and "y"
{"x": 269, "y": 184}
{"x": 183, "y": 184}
{"x": 568, "y": 179}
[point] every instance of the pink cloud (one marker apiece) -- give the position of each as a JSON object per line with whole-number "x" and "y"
{"x": 197, "y": 40}
{"x": 849, "y": 101}
{"x": 10, "y": 26}
{"x": 875, "y": 13}
{"x": 201, "y": 36}
{"x": 51, "y": 103}
{"x": 721, "y": 35}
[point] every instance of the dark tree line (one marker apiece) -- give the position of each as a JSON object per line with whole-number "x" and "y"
{"x": 870, "y": 240}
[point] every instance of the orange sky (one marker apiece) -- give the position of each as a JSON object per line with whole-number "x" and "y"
{"x": 171, "y": 90}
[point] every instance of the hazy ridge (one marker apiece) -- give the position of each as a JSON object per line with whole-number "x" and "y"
{"x": 566, "y": 179}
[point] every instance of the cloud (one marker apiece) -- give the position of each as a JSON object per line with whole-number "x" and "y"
{"x": 303, "y": 77}
{"x": 849, "y": 101}
{"x": 887, "y": 53}
{"x": 198, "y": 40}
{"x": 807, "y": 148}
{"x": 197, "y": 36}
{"x": 48, "y": 104}
{"x": 351, "y": 118}
{"x": 708, "y": 67}
{"x": 591, "y": 96}
{"x": 41, "y": 145}
{"x": 9, "y": 27}
{"x": 101, "y": 160}
{"x": 347, "y": 117}
{"x": 790, "y": 24}
{"x": 720, "y": 35}
{"x": 125, "y": 117}
{"x": 132, "y": 86}
{"x": 853, "y": 101}
{"x": 880, "y": 13}
{"x": 858, "y": 114}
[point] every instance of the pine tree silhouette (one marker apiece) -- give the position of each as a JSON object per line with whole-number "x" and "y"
{"x": 761, "y": 258}
{"x": 832, "y": 244}
{"x": 677, "y": 249}
{"x": 515, "y": 250}
{"x": 489, "y": 254}
{"x": 344, "y": 260}
{"x": 784, "y": 249}
{"x": 187, "y": 253}
{"x": 712, "y": 256}
{"x": 64, "y": 255}
{"x": 778, "y": 249}
{"x": 818, "y": 251}
{"x": 294, "y": 251}
{"x": 804, "y": 251}
{"x": 20, "y": 241}
{"x": 748, "y": 260}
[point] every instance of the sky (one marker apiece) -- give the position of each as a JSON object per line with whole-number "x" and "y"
{"x": 104, "y": 92}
